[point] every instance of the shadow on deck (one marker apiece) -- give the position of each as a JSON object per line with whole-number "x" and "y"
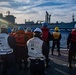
{"x": 58, "y": 66}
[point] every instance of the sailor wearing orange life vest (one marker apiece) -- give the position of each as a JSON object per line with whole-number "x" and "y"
{"x": 13, "y": 31}
{"x": 71, "y": 44}
{"x": 56, "y": 37}
{"x": 20, "y": 52}
{"x": 29, "y": 32}
{"x": 6, "y": 50}
{"x": 37, "y": 50}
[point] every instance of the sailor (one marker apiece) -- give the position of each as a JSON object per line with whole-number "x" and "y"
{"x": 46, "y": 37}
{"x": 20, "y": 52}
{"x": 29, "y": 32}
{"x": 56, "y": 37}
{"x": 13, "y": 31}
{"x": 71, "y": 45}
{"x": 6, "y": 51}
{"x": 37, "y": 51}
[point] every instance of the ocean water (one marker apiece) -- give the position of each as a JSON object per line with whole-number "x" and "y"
{"x": 63, "y": 41}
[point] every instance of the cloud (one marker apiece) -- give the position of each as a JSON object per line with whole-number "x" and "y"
{"x": 6, "y": 0}
{"x": 4, "y": 4}
{"x": 35, "y": 9}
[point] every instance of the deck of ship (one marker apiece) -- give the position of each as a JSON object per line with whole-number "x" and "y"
{"x": 58, "y": 66}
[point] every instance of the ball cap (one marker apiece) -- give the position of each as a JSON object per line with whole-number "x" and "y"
{"x": 38, "y": 30}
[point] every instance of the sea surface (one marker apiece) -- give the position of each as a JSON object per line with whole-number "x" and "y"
{"x": 63, "y": 41}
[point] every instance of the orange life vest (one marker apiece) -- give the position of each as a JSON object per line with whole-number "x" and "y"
{"x": 29, "y": 34}
{"x": 45, "y": 34}
{"x": 73, "y": 37}
{"x": 20, "y": 38}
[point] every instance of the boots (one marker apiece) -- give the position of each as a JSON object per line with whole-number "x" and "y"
{"x": 20, "y": 65}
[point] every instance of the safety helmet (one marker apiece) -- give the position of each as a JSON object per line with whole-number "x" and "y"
{"x": 20, "y": 28}
{"x": 44, "y": 24}
{"x": 75, "y": 26}
{"x": 9, "y": 30}
{"x": 38, "y": 30}
{"x": 15, "y": 29}
{"x": 28, "y": 29}
{"x": 3, "y": 28}
{"x": 56, "y": 28}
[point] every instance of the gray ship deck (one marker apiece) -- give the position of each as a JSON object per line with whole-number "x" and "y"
{"x": 58, "y": 66}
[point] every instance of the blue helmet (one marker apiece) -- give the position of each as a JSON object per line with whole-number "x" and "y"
{"x": 20, "y": 28}
{"x": 28, "y": 29}
{"x": 45, "y": 24}
{"x": 9, "y": 30}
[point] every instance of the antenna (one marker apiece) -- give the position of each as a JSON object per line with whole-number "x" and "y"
{"x": 8, "y": 12}
{"x": 73, "y": 17}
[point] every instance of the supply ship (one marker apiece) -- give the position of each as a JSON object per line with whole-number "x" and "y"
{"x": 9, "y": 20}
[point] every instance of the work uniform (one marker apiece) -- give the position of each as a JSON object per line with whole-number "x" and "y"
{"x": 46, "y": 37}
{"x": 20, "y": 52}
{"x": 6, "y": 52}
{"x": 56, "y": 36}
{"x": 37, "y": 50}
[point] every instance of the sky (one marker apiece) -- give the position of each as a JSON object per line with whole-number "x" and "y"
{"x": 34, "y": 10}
